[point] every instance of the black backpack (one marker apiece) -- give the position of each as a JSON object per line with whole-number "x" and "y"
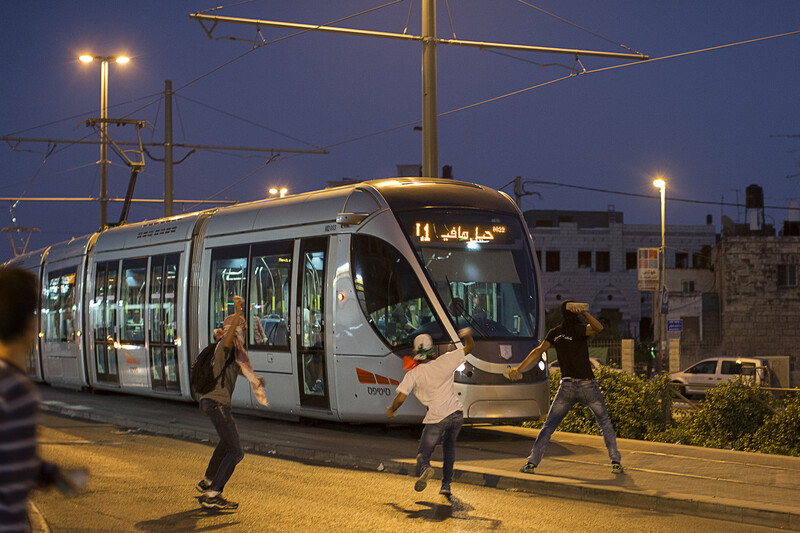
{"x": 202, "y": 375}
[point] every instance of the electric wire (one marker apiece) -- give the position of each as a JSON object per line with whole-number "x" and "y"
{"x": 251, "y": 122}
{"x": 577, "y": 26}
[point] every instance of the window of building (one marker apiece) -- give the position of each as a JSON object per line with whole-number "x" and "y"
{"x": 681, "y": 260}
{"x": 687, "y": 285}
{"x": 630, "y": 260}
{"x": 552, "y": 261}
{"x": 584, "y": 259}
{"x": 787, "y": 275}
{"x": 602, "y": 261}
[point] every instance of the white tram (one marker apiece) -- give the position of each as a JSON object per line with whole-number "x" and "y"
{"x": 337, "y": 283}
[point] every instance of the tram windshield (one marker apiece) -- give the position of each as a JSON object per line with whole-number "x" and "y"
{"x": 481, "y": 266}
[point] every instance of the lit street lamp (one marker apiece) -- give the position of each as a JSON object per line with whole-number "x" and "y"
{"x": 661, "y": 184}
{"x": 282, "y": 191}
{"x": 103, "y": 128}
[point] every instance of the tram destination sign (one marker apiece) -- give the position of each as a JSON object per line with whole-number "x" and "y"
{"x": 428, "y": 231}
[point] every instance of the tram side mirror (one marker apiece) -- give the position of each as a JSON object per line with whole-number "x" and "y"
{"x": 351, "y": 218}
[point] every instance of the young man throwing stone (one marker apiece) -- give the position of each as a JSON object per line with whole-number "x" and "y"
{"x": 431, "y": 380}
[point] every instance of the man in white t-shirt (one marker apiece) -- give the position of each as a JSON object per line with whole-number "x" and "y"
{"x": 431, "y": 380}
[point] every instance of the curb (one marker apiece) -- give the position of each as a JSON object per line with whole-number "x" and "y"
{"x": 714, "y": 508}
{"x": 36, "y": 520}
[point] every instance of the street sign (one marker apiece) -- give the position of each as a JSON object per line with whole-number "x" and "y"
{"x": 647, "y": 269}
{"x": 674, "y": 325}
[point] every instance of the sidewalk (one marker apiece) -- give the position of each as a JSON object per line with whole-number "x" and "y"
{"x": 721, "y": 484}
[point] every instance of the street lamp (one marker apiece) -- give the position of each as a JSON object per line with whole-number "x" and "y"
{"x": 86, "y": 58}
{"x": 282, "y": 191}
{"x": 661, "y": 184}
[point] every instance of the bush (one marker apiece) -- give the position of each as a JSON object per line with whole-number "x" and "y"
{"x": 731, "y": 415}
{"x": 736, "y": 414}
{"x": 634, "y": 406}
{"x": 780, "y": 434}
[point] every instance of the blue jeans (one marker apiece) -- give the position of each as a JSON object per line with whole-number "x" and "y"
{"x": 569, "y": 393}
{"x": 447, "y": 431}
{"x": 229, "y": 451}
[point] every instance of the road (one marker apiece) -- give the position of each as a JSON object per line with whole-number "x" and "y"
{"x": 146, "y": 483}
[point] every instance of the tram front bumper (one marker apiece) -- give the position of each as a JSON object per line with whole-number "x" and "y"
{"x": 504, "y": 403}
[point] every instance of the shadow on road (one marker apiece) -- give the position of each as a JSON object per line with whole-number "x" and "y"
{"x": 437, "y": 512}
{"x": 185, "y": 522}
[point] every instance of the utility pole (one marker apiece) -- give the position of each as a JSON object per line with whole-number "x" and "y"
{"x": 430, "y": 115}
{"x": 430, "y": 149}
{"x": 168, "y": 190}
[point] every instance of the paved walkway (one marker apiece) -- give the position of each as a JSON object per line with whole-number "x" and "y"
{"x": 722, "y": 484}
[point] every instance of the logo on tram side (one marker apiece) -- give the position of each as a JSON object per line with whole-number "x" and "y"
{"x": 368, "y": 378}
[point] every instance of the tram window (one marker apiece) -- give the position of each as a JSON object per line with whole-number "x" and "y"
{"x": 59, "y": 306}
{"x": 170, "y": 294}
{"x": 228, "y": 279}
{"x": 67, "y": 306}
{"x": 132, "y": 299}
{"x": 390, "y": 293}
{"x": 480, "y": 265}
{"x": 270, "y": 289}
{"x": 51, "y": 329}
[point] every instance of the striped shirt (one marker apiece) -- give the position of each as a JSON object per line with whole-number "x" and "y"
{"x": 20, "y": 467}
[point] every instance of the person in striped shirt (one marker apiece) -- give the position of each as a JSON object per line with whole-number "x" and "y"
{"x": 20, "y": 467}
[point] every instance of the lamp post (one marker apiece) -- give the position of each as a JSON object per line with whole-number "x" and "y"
{"x": 86, "y": 58}
{"x": 661, "y": 184}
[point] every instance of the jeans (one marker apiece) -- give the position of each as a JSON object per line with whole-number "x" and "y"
{"x": 569, "y": 393}
{"x": 229, "y": 451}
{"x": 447, "y": 431}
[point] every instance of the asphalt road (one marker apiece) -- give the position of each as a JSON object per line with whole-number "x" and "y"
{"x": 146, "y": 483}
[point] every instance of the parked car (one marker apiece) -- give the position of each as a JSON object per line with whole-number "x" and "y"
{"x": 708, "y": 373}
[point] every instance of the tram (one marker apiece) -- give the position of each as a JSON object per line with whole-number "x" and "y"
{"x": 336, "y": 282}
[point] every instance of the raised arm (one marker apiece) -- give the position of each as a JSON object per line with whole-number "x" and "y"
{"x": 515, "y": 372}
{"x": 593, "y": 325}
{"x": 227, "y": 339}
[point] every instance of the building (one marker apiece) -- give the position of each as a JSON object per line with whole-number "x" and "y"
{"x": 759, "y": 297}
{"x": 591, "y": 256}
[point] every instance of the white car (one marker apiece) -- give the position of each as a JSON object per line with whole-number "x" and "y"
{"x": 701, "y": 376}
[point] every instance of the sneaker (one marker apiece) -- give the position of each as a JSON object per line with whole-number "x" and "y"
{"x": 217, "y": 502}
{"x": 445, "y": 490}
{"x": 202, "y": 486}
{"x": 529, "y": 468}
{"x": 422, "y": 480}
{"x": 616, "y": 468}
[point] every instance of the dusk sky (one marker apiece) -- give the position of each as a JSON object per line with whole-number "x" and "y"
{"x": 710, "y": 122}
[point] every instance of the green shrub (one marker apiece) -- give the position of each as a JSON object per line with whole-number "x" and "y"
{"x": 780, "y": 434}
{"x": 634, "y": 405}
{"x": 731, "y": 415}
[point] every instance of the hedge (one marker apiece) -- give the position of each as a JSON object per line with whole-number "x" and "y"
{"x": 736, "y": 415}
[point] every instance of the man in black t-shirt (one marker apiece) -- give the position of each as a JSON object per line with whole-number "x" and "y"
{"x": 577, "y": 381}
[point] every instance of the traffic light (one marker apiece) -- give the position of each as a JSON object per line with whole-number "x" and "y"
{"x": 653, "y": 351}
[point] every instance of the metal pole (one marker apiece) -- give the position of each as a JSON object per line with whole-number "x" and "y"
{"x": 663, "y": 318}
{"x": 103, "y": 144}
{"x": 168, "y": 192}
{"x": 430, "y": 134}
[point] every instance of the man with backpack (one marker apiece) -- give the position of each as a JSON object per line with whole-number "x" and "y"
{"x": 216, "y": 405}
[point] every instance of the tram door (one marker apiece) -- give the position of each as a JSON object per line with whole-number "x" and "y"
{"x": 104, "y": 310}
{"x": 163, "y": 322}
{"x": 312, "y": 371}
